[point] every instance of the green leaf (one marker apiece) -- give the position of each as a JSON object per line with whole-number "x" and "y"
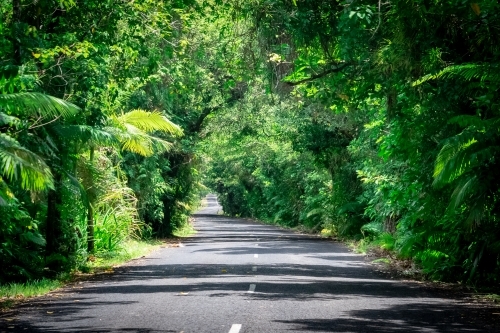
{"x": 36, "y": 104}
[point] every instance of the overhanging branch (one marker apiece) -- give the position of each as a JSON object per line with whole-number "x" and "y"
{"x": 319, "y": 75}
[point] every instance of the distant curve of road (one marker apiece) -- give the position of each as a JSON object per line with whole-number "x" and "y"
{"x": 239, "y": 276}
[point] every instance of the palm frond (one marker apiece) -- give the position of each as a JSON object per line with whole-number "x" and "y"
{"x": 453, "y": 158}
{"x": 79, "y": 186}
{"x": 477, "y": 210}
{"x": 132, "y": 131}
{"x": 136, "y": 141}
{"x": 19, "y": 164}
{"x": 37, "y": 104}
{"x": 468, "y": 120}
{"x": 150, "y": 122}
{"x": 5, "y": 119}
{"x": 85, "y": 133}
{"x": 5, "y": 193}
{"x": 464, "y": 187}
{"x": 467, "y": 72}
{"x": 160, "y": 144}
{"x": 466, "y": 161}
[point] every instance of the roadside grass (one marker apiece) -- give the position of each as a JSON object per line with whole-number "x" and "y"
{"x": 494, "y": 298}
{"x": 11, "y": 293}
{"x": 185, "y": 231}
{"x": 362, "y": 246}
{"x": 103, "y": 262}
{"x": 131, "y": 249}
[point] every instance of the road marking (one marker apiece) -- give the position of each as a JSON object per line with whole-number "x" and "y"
{"x": 252, "y": 288}
{"x": 255, "y": 255}
{"x": 235, "y": 328}
{"x": 254, "y": 269}
{"x": 256, "y": 244}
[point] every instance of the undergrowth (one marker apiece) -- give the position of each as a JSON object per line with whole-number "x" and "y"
{"x": 131, "y": 249}
{"x": 185, "y": 231}
{"x": 100, "y": 262}
{"x": 10, "y": 293}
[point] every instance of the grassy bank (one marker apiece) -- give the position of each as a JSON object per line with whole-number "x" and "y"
{"x": 131, "y": 249}
{"x": 13, "y": 292}
{"x": 101, "y": 262}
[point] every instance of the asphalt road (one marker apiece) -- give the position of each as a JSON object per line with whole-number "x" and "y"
{"x": 237, "y": 276}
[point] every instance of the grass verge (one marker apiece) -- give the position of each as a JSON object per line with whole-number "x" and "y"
{"x": 103, "y": 262}
{"x": 12, "y": 292}
{"x": 362, "y": 246}
{"x": 129, "y": 250}
{"x": 185, "y": 231}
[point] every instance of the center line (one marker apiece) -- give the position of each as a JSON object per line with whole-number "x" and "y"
{"x": 255, "y": 255}
{"x": 254, "y": 269}
{"x": 252, "y": 288}
{"x": 235, "y": 328}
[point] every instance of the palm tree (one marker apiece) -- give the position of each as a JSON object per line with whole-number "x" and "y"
{"x": 131, "y": 131}
{"x": 134, "y": 131}
{"x": 17, "y": 163}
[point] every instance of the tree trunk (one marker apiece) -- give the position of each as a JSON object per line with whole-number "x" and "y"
{"x": 53, "y": 223}
{"x": 16, "y": 22}
{"x": 90, "y": 213}
{"x": 390, "y": 224}
{"x": 392, "y": 101}
{"x": 90, "y": 229}
{"x": 165, "y": 228}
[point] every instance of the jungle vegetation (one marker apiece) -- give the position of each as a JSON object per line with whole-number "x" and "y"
{"x": 358, "y": 119}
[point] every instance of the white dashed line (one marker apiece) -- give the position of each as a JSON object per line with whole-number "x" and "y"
{"x": 254, "y": 269}
{"x": 255, "y": 255}
{"x": 252, "y": 288}
{"x": 235, "y": 328}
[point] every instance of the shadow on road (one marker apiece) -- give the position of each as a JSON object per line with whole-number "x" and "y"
{"x": 410, "y": 318}
{"x": 425, "y": 311}
{"x": 324, "y": 272}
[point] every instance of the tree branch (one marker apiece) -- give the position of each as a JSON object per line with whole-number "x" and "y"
{"x": 196, "y": 127}
{"x": 319, "y": 75}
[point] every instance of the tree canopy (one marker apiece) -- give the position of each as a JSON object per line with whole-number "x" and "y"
{"x": 358, "y": 119}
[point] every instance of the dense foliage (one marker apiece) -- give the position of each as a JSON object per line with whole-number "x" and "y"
{"x": 375, "y": 120}
{"x": 101, "y": 104}
{"x": 363, "y": 119}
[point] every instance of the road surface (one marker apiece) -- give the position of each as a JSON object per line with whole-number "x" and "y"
{"x": 239, "y": 276}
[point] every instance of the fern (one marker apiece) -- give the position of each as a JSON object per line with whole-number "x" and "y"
{"x": 454, "y": 158}
{"x": 461, "y": 159}
{"x": 463, "y": 153}
{"x": 474, "y": 121}
{"x": 467, "y": 72}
